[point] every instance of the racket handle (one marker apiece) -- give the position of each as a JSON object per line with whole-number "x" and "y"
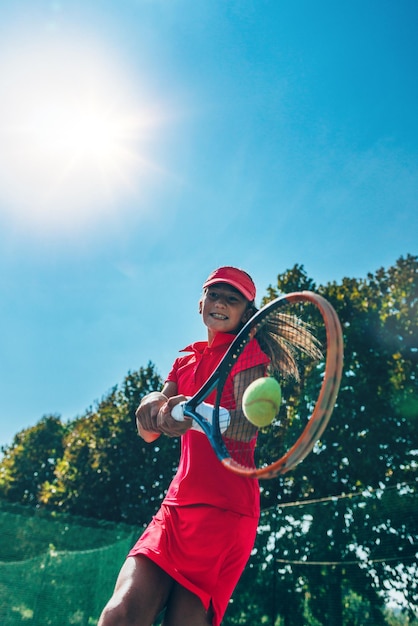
{"x": 206, "y": 411}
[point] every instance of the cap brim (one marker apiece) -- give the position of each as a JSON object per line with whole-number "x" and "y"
{"x": 216, "y": 281}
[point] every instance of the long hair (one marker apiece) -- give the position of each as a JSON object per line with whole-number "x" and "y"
{"x": 282, "y": 337}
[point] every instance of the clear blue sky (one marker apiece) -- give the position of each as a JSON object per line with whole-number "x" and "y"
{"x": 143, "y": 143}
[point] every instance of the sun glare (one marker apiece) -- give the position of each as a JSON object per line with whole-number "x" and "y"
{"x": 75, "y": 135}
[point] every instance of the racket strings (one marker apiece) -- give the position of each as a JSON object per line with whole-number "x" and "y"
{"x": 242, "y": 451}
{"x": 294, "y": 348}
{"x": 283, "y": 337}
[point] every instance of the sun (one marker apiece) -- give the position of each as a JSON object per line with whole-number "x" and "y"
{"x": 74, "y": 132}
{"x": 79, "y": 132}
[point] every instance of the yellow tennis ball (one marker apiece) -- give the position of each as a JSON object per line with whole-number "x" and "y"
{"x": 261, "y": 401}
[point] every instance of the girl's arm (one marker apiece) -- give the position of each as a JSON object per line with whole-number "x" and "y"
{"x": 240, "y": 428}
{"x": 169, "y": 389}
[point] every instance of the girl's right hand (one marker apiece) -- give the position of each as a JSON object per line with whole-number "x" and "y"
{"x": 147, "y": 414}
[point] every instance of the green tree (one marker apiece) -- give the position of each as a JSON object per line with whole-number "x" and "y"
{"x": 31, "y": 460}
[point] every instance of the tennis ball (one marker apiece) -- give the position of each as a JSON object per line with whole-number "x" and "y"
{"x": 261, "y": 401}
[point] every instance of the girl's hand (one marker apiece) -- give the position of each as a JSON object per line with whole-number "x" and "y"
{"x": 167, "y": 424}
{"x": 146, "y": 415}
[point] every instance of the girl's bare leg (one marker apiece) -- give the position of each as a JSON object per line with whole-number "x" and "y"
{"x": 184, "y": 608}
{"x": 141, "y": 592}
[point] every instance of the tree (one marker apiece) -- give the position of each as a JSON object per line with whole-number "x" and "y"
{"x": 31, "y": 460}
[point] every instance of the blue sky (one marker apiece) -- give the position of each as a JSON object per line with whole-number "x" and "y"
{"x": 146, "y": 142}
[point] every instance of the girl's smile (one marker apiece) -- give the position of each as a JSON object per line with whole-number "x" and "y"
{"x": 222, "y": 308}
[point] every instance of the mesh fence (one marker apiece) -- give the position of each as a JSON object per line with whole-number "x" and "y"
{"x": 42, "y": 583}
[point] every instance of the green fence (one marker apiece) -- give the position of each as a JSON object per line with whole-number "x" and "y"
{"x": 42, "y": 583}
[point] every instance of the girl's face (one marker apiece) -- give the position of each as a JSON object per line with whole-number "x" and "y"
{"x": 223, "y": 309}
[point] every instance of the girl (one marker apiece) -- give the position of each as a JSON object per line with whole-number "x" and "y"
{"x": 189, "y": 559}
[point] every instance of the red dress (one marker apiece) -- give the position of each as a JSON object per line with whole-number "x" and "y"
{"x": 204, "y": 532}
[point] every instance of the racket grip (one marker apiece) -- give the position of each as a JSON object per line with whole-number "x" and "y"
{"x": 177, "y": 412}
{"x": 206, "y": 411}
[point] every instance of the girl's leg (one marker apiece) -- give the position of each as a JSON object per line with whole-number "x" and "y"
{"x": 184, "y": 608}
{"x": 141, "y": 592}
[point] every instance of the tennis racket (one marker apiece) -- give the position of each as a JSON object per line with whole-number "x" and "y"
{"x": 306, "y": 329}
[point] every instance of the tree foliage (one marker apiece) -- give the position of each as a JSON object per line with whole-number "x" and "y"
{"x": 339, "y": 533}
{"x": 366, "y": 543}
{"x": 31, "y": 460}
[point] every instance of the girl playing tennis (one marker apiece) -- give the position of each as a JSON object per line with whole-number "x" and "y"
{"x": 190, "y": 558}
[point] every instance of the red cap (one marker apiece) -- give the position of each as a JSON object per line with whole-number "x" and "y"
{"x": 236, "y": 278}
